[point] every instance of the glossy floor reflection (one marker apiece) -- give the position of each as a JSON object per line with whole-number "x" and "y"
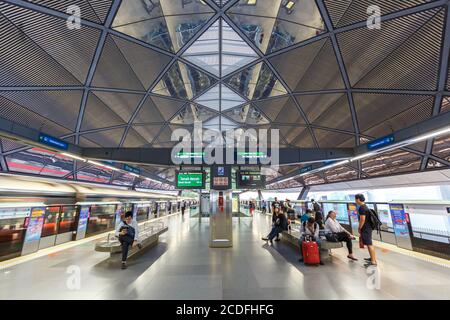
{"x": 182, "y": 266}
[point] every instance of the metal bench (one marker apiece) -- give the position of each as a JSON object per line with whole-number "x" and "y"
{"x": 292, "y": 236}
{"x": 149, "y": 234}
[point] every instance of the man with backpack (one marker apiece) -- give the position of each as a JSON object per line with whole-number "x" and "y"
{"x": 367, "y": 219}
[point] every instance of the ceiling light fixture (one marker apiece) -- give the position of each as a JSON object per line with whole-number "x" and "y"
{"x": 69, "y": 155}
{"x": 102, "y": 165}
{"x": 363, "y": 156}
{"x": 431, "y": 135}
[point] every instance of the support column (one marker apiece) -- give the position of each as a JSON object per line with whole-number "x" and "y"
{"x": 303, "y": 194}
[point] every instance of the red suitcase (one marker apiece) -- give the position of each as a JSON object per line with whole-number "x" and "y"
{"x": 310, "y": 251}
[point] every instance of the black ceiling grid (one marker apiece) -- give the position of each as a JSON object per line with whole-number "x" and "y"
{"x": 335, "y": 81}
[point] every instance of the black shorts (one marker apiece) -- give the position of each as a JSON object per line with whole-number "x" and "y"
{"x": 366, "y": 235}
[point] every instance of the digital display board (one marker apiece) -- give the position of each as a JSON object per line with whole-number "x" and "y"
{"x": 250, "y": 180}
{"x": 220, "y": 177}
{"x": 190, "y": 179}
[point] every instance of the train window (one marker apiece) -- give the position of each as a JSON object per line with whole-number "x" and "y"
{"x": 142, "y": 213}
{"x": 67, "y": 219}
{"x": 51, "y": 216}
{"x": 102, "y": 218}
{"x": 12, "y": 234}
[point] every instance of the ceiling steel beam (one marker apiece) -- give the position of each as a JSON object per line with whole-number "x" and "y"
{"x": 443, "y": 72}
{"x": 93, "y": 66}
{"x": 162, "y": 156}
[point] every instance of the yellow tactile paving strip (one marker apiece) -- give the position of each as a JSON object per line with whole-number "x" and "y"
{"x": 421, "y": 256}
{"x": 44, "y": 252}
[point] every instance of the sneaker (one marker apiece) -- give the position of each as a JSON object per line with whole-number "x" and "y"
{"x": 369, "y": 264}
{"x": 265, "y": 239}
{"x": 124, "y": 265}
{"x": 368, "y": 259}
{"x": 352, "y": 258}
{"x": 277, "y": 239}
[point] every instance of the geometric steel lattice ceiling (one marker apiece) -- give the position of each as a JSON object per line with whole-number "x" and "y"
{"x": 137, "y": 70}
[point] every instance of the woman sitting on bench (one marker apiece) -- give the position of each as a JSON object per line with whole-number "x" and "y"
{"x": 334, "y": 232}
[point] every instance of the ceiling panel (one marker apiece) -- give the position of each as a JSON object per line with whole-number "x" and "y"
{"x": 379, "y": 114}
{"x": 346, "y": 12}
{"x": 106, "y": 139}
{"x": 114, "y": 71}
{"x": 330, "y": 139}
{"x": 92, "y": 10}
{"x": 98, "y": 115}
{"x": 58, "y": 106}
{"x": 25, "y": 63}
{"x": 403, "y": 54}
{"x": 146, "y": 64}
{"x": 317, "y": 69}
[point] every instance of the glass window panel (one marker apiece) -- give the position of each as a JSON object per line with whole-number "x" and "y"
{"x": 12, "y": 234}
{"x": 51, "y": 217}
{"x": 101, "y": 218}
{"x": 154, "y": 32}
{"x": 204, "y": 52}
{"x": 184, "y": 82}
{"x": 67, "y": 219}
{"x": 257, "y": 82}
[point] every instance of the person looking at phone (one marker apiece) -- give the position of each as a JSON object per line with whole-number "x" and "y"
{"x": 127, "y": 231}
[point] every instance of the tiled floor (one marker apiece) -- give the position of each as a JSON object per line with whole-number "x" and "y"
{"x": 182, "y": 266}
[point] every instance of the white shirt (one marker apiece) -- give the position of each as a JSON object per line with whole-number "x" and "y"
{"x": 132, "y": 224}
{"x": 333, "y": 226}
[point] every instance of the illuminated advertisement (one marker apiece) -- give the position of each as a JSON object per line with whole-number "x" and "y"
{"x": 35, "y": 224}
{"x": 84, "y": 216}
{"x": 353, "y": 214}
{"x": 119, "y": 212}
{"x": 399, "y": 220}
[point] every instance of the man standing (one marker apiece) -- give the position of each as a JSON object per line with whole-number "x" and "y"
{"x": 318, "y": 216}
{"x": 365, "y": 229}
{"x": 183, "y": 208}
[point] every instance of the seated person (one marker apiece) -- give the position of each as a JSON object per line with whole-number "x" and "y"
{"x": 310, "y": 230}
{"x": 127, "y": 231}
{"x": 336, "y": 233}
{"x": 280, "y": 225}
{"x": 308, "y": 214}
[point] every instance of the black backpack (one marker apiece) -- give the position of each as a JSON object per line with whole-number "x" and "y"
{"x": 375, "y": 221}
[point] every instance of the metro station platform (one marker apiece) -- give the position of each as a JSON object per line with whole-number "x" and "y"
{"x": 183, "y": 267}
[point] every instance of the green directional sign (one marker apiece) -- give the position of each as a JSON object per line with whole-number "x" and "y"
{"x": 190, "y": 180}
{"x": 190, "y": 155}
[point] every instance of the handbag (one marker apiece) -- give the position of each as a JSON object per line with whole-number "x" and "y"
{"x": 331, "y": 237}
